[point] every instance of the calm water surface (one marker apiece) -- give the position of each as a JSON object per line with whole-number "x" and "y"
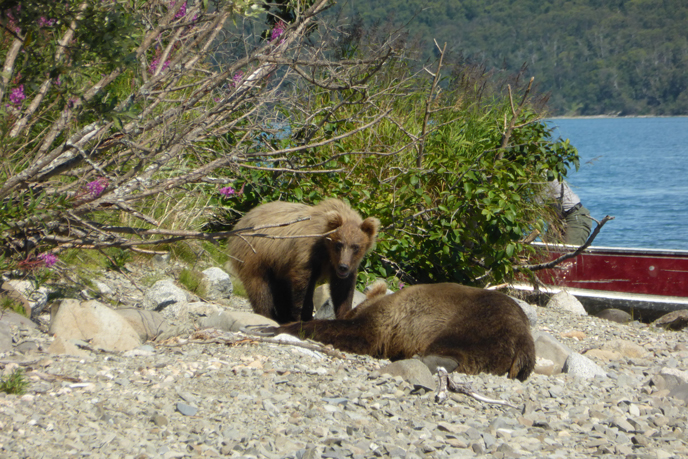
{"x": 635, "y": 169}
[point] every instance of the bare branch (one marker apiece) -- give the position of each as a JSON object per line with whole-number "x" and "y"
{"x": 566, "y": 256}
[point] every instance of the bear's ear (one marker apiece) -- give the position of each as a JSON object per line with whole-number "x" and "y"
{"x": 377, "y": 288}
{"x": 370, "y": 226}
{"x": 334, "y": 220}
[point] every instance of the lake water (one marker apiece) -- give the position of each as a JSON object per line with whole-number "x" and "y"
{"x": 636, "y": 170}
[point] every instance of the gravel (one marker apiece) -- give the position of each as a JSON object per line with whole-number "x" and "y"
{"x": 204, "y": 396}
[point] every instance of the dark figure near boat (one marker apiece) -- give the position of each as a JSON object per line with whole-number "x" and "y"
{"x": 576, "y": 220}
{"x": 465, "y": 329}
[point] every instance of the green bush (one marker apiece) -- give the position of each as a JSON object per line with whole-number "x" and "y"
{"x": 460, "y": 195}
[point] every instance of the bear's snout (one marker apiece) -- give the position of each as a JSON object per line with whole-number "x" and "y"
{"x": 343, "y": 271}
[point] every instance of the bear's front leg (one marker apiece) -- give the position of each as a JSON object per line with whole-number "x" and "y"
{"x": 342, "y": 293}
{"x": 307, "y": 300}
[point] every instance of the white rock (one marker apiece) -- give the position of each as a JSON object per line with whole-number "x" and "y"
{"x": 37, "y": 298}
{"x": 162, "y": 295}
{"x": 529, "y": 309}
{"x": 217, "y": 284}
{"x": 103, "y": 288}
{"x": 566, "y": 302}
{"x": 582, "y": 367}
{"x": 681, "y": 375}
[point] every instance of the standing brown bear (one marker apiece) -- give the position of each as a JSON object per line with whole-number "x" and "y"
{"x": 464, "y": 329}
{"x": 280, "y": 275}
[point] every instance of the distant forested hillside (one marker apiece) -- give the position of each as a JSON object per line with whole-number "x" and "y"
{"x": 595, "y": 57}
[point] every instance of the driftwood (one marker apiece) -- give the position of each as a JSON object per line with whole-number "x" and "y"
{"x": 445, "y": 382}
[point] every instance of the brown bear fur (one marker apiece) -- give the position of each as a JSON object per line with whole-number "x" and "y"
{"x": 280, "y": 275}
{"x": 465, "y": 329}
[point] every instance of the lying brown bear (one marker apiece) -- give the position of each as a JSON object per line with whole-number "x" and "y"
{"x": 464, "y": 329}
{"x": 280, "y": 272}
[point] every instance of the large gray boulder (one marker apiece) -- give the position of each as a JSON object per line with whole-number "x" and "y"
{"x": 92, "y": 322}
{"x": 148, "y": 324}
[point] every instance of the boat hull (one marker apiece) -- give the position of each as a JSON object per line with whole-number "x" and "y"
{"x": 645, "y": 282}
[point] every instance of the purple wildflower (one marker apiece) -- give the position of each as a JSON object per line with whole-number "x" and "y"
{"x": 43, "y": 22}
{"x": 227, "y": 191}
{"x": 17, "y": 95}
{"x": 48, "y": 258}
{"x": 181, "y": 12}
{"x": 277, "y": 30}
{"x": 236, "y": 78}
{"x": 97, "y": 186}
{"x": 154, "y": 65}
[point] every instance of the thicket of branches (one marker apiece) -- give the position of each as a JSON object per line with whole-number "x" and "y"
{"x": 127, "y": 124}
{"x": 125, "y": 108}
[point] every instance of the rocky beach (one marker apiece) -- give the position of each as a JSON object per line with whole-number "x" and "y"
{"x": 197, "y": 388}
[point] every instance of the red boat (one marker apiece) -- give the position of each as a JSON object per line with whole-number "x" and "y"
{"x": 647, "y": 283}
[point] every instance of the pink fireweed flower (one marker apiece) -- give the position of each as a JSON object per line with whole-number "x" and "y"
{"x": 43, "y": 22}
{"x": 17, "y": 95}
{"x": 236, "y": 78}
{"x": 154, "y": 65}
{"x": 227, "y": 191}
{"x": 277, "y": 30}
{"x": 181, "y": 12}
{"x": 48, "y": 258}
{"x": 96, "y": 187}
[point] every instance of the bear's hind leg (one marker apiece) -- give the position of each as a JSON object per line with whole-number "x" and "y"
{"x": 260, "y": 295}
{"x": 345, "y": 335}
{"x": 470, "y": 357}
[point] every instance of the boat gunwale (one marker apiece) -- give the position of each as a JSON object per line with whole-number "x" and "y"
{"x": 611, "y": 250}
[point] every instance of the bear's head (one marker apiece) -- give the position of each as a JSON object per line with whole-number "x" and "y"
{"x": 350, "y": 242}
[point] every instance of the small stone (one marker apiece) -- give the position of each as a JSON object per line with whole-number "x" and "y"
{"x": 576, "y": 334}
{"x": 160, "y": 420}
{"x": 615, "y": 315}
{"x": 186, "y": 410}
{"x": 602, "y": 354}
